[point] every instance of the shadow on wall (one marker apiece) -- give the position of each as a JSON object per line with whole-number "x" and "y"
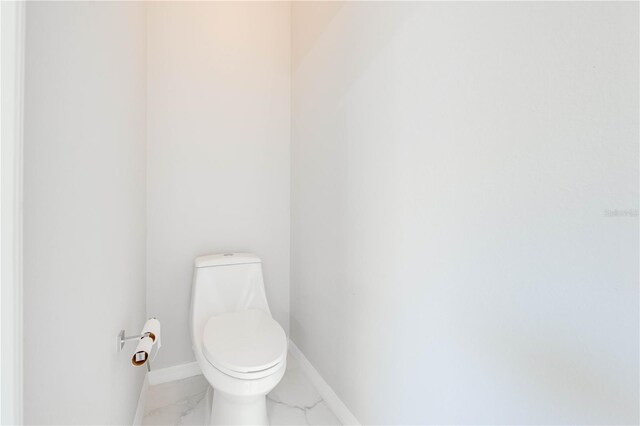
{"x": 348, "y": 57}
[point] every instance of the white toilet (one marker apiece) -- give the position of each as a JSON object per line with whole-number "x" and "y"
{"x": 241, "y": 349}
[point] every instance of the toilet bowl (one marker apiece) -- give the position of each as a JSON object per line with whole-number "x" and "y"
{"x": 240, "y": 348}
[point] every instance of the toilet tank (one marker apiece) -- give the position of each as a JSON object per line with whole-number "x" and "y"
{"x": 226, "y": 282}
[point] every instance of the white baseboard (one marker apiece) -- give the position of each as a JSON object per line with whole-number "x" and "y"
{"x": 142, "y": 400}
{"x": 177, "y": 372}
{"x": 330, "y": 397}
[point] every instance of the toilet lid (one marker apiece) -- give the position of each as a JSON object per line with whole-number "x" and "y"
{"x": 244, "y": 341}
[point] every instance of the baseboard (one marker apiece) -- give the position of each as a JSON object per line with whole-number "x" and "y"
{"x": 330, "y": 397}
{"x": 142, "y": 400}
{"x": 177, "y": 372}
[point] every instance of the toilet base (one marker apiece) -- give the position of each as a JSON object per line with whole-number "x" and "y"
{"x": 229, "y": 409}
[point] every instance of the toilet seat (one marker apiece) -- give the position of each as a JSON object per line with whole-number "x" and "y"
{"x": 244, "y": 344}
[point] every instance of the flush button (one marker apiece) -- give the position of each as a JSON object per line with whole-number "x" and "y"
{"x": 228, "y": 254}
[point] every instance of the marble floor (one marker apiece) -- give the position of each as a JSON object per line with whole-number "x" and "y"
{"x": 293, "y": 402}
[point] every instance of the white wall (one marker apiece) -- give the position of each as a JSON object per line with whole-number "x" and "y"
{"x": 218, "y": 151}
{"x": 452, "y": 262}
{"x": 12, "y": 38}
{"x": 84, "y": 205}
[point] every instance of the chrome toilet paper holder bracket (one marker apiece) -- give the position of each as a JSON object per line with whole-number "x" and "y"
{"x": 122, "y": 338}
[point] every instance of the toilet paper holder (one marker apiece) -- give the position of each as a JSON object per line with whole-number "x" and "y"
{"x": 122, "y": 339}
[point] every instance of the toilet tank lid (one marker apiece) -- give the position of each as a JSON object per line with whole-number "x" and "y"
{"x": 225, "y": 259}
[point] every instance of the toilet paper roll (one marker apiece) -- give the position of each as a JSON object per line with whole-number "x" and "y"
{"x": 141, "y": 355}
{"x": 152, "y": 326}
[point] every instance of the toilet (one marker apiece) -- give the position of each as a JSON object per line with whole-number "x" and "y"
{"x": 240, "y": 348}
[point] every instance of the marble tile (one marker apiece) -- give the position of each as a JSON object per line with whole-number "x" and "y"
{"x": 172, "y": 392}
{"x": 295, "y": 401}
{"x": 294, "y": 388}
{"x": 183, "y": 412}
{"x": 321, "y": 414}
{"x": 198, "y": 415}
{"x": 283, "y": 414}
